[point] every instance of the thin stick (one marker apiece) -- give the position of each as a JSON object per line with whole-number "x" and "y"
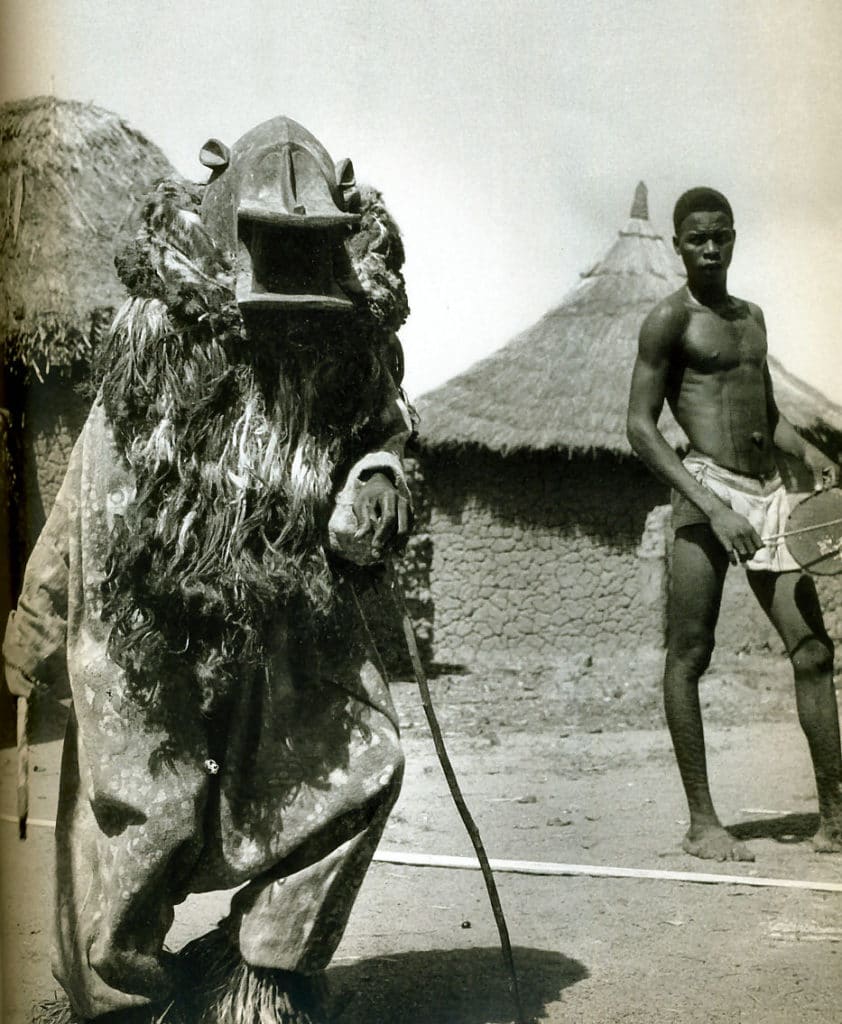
{"x": 531, "y": 867}
{"x": 456, "y": 793}
{"x": 23, "y": 764}
{"x": 802, "y": 529}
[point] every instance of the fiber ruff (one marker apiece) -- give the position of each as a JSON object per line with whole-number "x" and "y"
{"x": 216, "y": 986}
{"x": 224, "y": 989}
{"x": 235, "y": 435}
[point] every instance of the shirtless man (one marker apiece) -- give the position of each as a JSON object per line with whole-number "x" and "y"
{"x": 704, "y": 352}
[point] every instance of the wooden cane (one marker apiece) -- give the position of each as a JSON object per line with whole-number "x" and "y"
{"x": 455, "y": 791}
{"x": 23, "y": 764}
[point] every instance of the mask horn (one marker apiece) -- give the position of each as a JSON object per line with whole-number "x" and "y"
{"x": 347, "y": 183}
{"x": 214, "y": 155}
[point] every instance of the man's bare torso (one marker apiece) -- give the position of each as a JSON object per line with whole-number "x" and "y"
{"x": 717, "y": 384}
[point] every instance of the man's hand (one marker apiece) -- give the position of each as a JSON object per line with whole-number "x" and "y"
{"x": 381, "y": 511}
{"x": 825, "y": 471}
{"x": 736, "y": 534}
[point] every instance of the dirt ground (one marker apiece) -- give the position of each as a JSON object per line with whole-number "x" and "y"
{"x": 567, "y": 764}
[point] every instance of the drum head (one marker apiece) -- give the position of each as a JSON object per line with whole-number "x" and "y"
{"x": 814, "y": 527}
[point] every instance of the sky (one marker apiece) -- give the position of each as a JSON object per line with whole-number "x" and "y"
{"x": 507, "y": 138}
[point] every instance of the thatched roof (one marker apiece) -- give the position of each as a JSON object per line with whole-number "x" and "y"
{"x": 807, "y": 408}
{"x": 70, "y": 177}
{"x": 563, "y": 384}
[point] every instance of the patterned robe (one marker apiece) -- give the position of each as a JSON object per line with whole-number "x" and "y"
{"x": 287, "y": 796}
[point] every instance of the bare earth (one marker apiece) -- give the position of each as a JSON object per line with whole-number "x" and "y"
{"x": 572, "y": 765}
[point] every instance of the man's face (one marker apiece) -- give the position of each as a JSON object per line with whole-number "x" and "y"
{"x": 705, "y": 243}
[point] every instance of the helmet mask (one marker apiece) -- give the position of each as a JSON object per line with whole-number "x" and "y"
{"x": 277, "y": 202}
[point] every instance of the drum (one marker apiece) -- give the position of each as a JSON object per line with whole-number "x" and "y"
{"x": 814, "y": 533}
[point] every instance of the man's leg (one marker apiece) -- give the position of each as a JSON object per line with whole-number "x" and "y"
{"x": 699, "y": 565}
{"x": 791, "y": 602}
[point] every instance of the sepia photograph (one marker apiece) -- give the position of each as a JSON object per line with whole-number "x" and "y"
{"x": 420, "y": 512}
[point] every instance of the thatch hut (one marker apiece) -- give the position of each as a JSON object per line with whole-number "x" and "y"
{"x": 70, "y": 177}
{"x": 544, "y": 533}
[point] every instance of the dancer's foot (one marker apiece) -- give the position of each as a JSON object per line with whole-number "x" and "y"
{"x": 828, "y": 839}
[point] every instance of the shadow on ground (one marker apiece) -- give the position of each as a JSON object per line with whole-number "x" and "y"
{"x": 789, "y": 828}
{"x": 454, "y": 986}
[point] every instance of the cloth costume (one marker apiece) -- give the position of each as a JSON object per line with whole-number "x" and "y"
{"x": 763, "y": 502}
{"x": 285, "y": 785}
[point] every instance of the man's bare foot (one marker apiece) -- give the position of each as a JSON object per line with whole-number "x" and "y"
{"x": 713, "y": 842}
{"x": 828, "y": 839}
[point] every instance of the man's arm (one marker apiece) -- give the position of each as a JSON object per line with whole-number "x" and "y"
{"x": 660, "y": 336}
{"x": 825, "y": 471}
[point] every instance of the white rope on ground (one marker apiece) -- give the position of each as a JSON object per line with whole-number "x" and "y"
{"x": 538, "y": 867}
{"x": 533, "y": 867}
{"x": 38, "y": 822}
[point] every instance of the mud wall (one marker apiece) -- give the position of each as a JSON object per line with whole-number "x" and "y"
{"x": 533, "y": 556}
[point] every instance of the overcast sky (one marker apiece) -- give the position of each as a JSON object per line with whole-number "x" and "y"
{"x": 507, "y": 137}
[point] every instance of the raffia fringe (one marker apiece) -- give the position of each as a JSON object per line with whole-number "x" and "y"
{"x": 227, "y": 990}
{"x": 58, "y": 1011}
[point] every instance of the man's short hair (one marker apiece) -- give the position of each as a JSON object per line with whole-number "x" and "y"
{"x": 700, "y": 200}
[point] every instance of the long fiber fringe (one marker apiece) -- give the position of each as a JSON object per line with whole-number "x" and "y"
{"x": 226, "y": 990}
{"x": 235, "y": 444}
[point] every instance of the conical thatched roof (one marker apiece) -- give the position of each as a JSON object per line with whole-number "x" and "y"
{"x": 70, "y": 176}
{"x": 563, "y": 384}
{"x": 807, "y": 408}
